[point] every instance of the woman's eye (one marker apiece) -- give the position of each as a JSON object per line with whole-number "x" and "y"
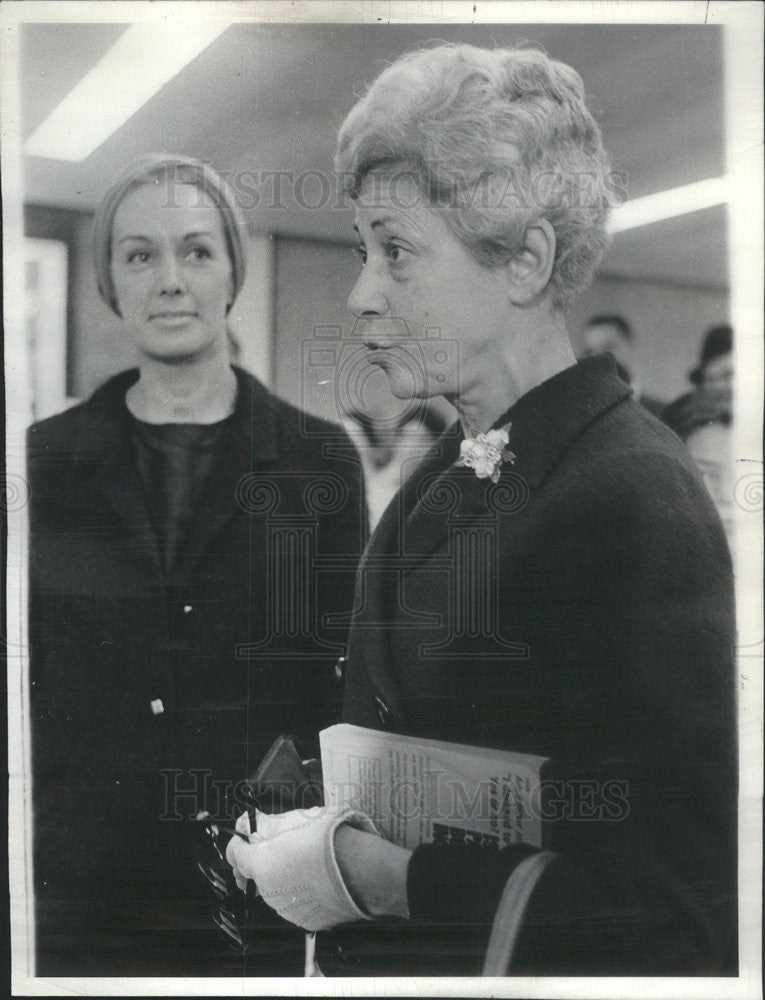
{"x": 394, "y": 252}
{"x": 138, "y": 257}
{"x": 199, "y": 253}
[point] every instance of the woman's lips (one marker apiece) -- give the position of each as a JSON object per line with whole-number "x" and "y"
{"x": 378, "y": 352}
{"x": 172, "y": 318}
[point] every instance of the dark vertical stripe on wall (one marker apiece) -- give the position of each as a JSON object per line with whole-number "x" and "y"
{"x": 43, "y": 222}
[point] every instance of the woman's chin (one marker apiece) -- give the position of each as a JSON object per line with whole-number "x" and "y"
{"x": 169, "y": 357}
{"x": 405, "y": 388}
{"x": 182, "y": 351}
{"x": 404, "y": 382}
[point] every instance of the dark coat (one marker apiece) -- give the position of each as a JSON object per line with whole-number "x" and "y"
{"x": 582, "y": 609}
{"x": 236, "y": 647}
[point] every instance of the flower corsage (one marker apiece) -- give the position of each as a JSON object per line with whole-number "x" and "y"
{"x": 486, "y": 452}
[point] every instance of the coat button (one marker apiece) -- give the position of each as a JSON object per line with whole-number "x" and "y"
{"x": 157, "y": 707}
{"x": 340, "y": 663}
{"x": 187, "y": 609}
{"x": 384, "y": 713}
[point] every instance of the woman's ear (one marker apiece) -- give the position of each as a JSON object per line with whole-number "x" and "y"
{"x": 530, "y": 269}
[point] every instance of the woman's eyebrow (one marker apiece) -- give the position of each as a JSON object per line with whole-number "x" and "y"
{"x": 376, "y": 223}
{"x": 186, "y": 236}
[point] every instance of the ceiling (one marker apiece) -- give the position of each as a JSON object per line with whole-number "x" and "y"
{"x": 270, "y": 97}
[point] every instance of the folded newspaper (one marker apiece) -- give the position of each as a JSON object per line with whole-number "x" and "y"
{"x": 419, "y": 790}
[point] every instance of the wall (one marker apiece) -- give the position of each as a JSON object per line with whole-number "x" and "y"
{"x": 312, "y": 281}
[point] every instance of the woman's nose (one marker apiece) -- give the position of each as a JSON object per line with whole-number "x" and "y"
{"x": 367, "y": 298}
{"x": 170, "y": 277}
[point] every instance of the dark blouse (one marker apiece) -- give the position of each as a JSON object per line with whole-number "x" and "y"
{"x": 174, "y": 463}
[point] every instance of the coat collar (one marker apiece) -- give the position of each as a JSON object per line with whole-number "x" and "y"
{"x": 549, "y": 418}
{"x": 105, "y": 427}
{"x": 104, "y": 443}
{"x": 545, "y": 424}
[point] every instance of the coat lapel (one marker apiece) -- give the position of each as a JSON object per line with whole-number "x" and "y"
{"x": 544, "y": 423}
{"x": 104, "y": 447}
{"x": 104, "y": 444}
{"x": 120, "y": 483}
{"x": 389, "y": 537}
{"x": 378, "y": 578}
{"x": 453, "y": 495}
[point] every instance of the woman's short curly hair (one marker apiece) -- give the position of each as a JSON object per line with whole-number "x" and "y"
{"x": 167, "y": 168}
{"x": 497, "y": 138}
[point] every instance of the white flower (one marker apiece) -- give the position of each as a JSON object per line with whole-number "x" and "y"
{"x": 485, "y": 453}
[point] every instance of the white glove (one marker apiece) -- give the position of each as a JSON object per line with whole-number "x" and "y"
{"x": 292, "y": 861}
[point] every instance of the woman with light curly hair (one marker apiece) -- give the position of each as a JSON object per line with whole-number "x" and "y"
{"x": 552, "y": 580}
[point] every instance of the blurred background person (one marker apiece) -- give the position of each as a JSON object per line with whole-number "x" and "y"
{"x": 714, "y": 373}
{"x": 390, "y": 447}
{"x": 153, "y": 561}
{"x": 713, "y": 376}
{"x": 703, "y": 420}
{"x": 612, "y": 334}
{"x": 709, "y": 440}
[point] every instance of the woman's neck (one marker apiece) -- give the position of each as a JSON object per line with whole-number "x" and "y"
{"x": 201, "y": 392}
{"x": 530, "y": 357}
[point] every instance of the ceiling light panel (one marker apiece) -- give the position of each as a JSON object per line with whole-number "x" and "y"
{"x": 669, "y": 204}
{"x": 128, "y": 75}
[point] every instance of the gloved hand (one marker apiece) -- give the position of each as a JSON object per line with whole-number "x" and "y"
{"x": 291, "y": 858}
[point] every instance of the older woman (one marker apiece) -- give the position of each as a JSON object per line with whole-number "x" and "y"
{"x": 597, "y": 627}
{"x": 177, "y": 536}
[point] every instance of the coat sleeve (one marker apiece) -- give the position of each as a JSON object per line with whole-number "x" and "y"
{"x": 635, "y": 584}
{"x": 42, "y": 501}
